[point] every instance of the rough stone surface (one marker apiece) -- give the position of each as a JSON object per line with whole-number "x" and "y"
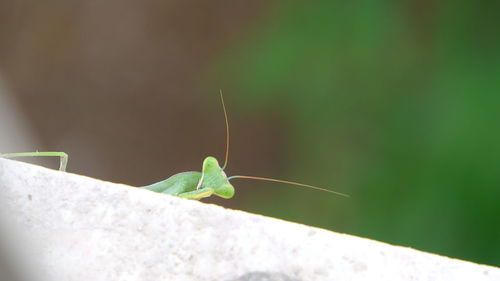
{"x": 77, "y": 228}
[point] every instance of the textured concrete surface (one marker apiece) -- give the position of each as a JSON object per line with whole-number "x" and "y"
{"x": 72, "y": 227}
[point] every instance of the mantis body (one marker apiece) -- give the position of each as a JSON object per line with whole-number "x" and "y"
{"x": 212, "y": 180}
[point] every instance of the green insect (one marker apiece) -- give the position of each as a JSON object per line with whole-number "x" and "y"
{"x": 212, "y": 180}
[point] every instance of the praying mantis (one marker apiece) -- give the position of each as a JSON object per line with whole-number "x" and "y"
{"x": 212, "y": 180}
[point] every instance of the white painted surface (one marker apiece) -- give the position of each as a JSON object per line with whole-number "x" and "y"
{"x": 88, "y": 229}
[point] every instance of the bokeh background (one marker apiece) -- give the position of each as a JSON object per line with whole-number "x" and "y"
{"x": 393, "y": 102}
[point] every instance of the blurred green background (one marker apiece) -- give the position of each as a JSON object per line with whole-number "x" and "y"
{"x": 393, "y": 102}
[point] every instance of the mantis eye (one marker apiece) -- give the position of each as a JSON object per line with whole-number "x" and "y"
{"x": 226, "y": 191}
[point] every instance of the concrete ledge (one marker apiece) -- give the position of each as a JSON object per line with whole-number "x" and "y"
{"x": 85, "y": 229}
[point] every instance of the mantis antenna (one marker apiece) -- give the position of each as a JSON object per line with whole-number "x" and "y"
{"x": 288, "y": 182}
{"x": 261, "y": 178}
{"x": 227, "y": 130}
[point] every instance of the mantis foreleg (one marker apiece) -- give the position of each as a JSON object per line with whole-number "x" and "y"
{"x": 197, "y": 194}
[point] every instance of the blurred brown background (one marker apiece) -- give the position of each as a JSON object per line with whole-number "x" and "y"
{"x": 116, "y": 84}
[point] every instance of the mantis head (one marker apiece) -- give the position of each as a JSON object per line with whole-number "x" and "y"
{"x": 213, "y": 177}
